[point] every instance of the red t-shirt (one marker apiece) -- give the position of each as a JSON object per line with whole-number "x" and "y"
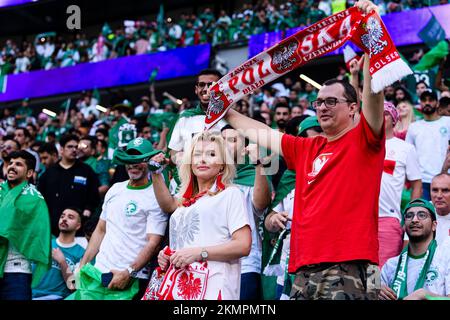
{"x": 336, "y": 196}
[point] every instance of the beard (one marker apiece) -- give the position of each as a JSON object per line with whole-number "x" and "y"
{"x": 281, "y": 124}
{"x": 428, "y": 109}
{"x": 415, "y": 239}
{"x": 389, "y": 97}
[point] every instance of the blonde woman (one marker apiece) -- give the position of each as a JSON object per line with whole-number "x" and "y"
{"x": 209, "y": 220}
{"x": 406, "y": 112}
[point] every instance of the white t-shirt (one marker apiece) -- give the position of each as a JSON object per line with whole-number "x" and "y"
{"x": 443, "y": 228}
{"x": 400, "y": 162}
{"x": 431, "y": 141}
{"x": 287, "y": 205}
{"x": 211, "y": 221}
{"x": 437, "y": 277}
{"x": 130, "y": 215}
{"x": 252, "y": 262}
{"x": 186, "y": 128}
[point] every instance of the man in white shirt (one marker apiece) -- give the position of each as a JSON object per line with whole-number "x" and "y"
{"x": 430, "y": 137}
{"x": 400, "y": 164}
{"x": 192, "y": 121}
{"x": 131, "y": 226}
{"x": 440, "y": 196}
{"x": 423, "y": 267}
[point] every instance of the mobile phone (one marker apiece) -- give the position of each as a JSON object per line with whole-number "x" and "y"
{"x": 106, "y": 278}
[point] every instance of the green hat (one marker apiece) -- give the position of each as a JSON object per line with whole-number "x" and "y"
{"x": 421, "y": 203}
{"x": 308, "y": 123}
{"x": 137, "y": 151}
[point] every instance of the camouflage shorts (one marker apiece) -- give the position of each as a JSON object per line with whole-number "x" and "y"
{"x": 342, "y": 281}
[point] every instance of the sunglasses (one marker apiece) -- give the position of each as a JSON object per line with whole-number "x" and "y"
{"x": 203, "y": 84}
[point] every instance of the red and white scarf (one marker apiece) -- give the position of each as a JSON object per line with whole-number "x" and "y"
{"x": 367, "y": 32}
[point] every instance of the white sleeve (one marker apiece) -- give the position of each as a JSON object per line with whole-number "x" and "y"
{"x": 156, "y": 221}
{"x": 236, "y": 211}
{"x": 412, "y": 165}
{"x": 388, "y": 270}
{"x": 279, "y": 207}
{"x": 176, "y": 140}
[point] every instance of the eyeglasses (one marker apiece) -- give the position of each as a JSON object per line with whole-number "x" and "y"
{"x": 421, "y": 215}
{"x": 329, "y": 102}
{"x": 203, "y": 84}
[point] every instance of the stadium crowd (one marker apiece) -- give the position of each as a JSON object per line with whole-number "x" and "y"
{"x": 50, "y": 50}
{"x": 125, "y": 195}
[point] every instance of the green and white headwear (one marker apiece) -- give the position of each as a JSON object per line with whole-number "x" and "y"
{"x": 421, "y": 203}
{"x": 308, "y": 123}
{"x": 127, "y": 132}
{"x": 137, "y": 151}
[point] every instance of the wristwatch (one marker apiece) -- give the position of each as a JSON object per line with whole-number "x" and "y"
{"x": 204, "y": 254}
{"x": 132, "y": 272}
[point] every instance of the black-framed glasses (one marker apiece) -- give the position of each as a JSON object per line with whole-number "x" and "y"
{"x": 203, "y": 84}
{"x": 329, "y": 102}
{"x": 421, "y": 215}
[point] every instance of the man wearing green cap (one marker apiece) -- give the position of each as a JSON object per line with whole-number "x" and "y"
{"x": 423, "y": 268}
{"x": 128, "y": 234}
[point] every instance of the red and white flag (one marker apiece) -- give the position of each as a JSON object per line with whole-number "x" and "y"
{"x": 367, "y": 32}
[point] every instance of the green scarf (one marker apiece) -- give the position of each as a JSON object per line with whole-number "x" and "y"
{"x": 25, "y": 222}
{"x": 399, "y": 284}
{"x": 197, "y": 111}
{"x": 271, "y": 253}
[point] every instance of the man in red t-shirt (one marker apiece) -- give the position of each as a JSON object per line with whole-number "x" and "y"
{"x": 334, "y": 240}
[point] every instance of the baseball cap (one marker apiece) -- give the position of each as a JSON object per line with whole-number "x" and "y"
{"x": 421, "y": 203}
{"x": 137, "y": 151}
{"x": 308, "y": 123}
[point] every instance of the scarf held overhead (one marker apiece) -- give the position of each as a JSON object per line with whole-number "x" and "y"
{"x": 367, "y": 32}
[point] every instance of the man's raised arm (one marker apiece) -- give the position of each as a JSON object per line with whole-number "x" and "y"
{"x": 373, "y": 104}
{"x": 257, "y": 132}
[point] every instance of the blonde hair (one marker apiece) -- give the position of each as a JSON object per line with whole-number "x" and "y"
{"x": 400, "y": 126}
{"x": 185, "y": 169}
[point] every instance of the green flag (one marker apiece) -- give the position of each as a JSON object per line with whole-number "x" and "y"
{"x": 65, "y": 105}
{"x": 96, "y": 95}
{"x": 89, "y": 287}
{"x": 433, "y": 57}
{"x": 25, "y": 224}
{"x": 3, "y": 82}
{"x": 153, "y": 75}
{"x": 432, "y": 33}
{"x": 160, "y": 20}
